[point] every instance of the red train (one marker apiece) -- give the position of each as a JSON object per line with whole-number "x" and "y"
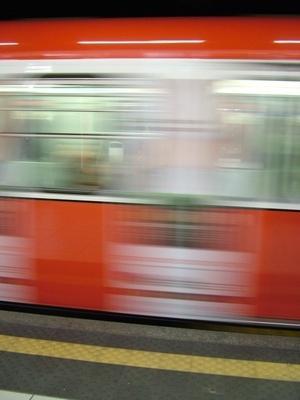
{"x": 152, "y": 166}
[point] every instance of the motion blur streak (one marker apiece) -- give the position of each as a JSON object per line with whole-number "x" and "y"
{"x": 153, "y": 187}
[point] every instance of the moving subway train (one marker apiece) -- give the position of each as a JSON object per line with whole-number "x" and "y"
{"x": 152, "y": 167}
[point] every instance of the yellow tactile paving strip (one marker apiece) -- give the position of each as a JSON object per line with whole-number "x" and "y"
{"x": 151, "y": 359}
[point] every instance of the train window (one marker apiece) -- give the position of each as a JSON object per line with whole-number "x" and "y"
{"x": 260, "y": 150}
{"x": 73, "y": 136}
{"x": 215, "y": 137}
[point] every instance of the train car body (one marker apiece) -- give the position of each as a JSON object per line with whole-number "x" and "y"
{"x": 152, "y": 166}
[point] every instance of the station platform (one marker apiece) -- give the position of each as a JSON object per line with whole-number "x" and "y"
{"x": 44, "y": 357}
